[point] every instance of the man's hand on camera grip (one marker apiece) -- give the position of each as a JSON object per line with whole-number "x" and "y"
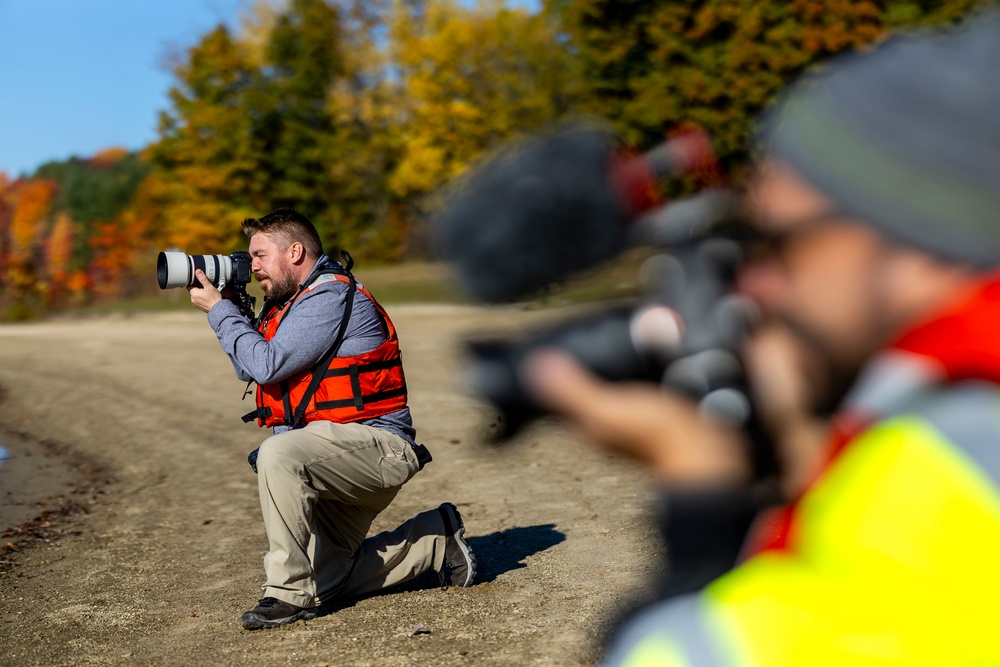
{"x": 206, "y": 296}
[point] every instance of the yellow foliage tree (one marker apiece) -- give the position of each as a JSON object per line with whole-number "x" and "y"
{"x": 255, "y": 29}
{"x": 470, "y": 79}
{"x": 58, "y": 255}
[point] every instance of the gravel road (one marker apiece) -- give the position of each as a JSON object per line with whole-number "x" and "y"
{"x": 147, "y": 543}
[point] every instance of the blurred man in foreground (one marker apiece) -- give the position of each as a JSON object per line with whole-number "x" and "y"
{"x": 879, "y": 197}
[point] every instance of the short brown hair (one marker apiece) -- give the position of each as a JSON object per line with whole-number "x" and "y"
{"x": 290, "y": 226}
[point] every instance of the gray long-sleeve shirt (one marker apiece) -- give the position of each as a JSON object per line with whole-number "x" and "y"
{"x": 305, "y": 335}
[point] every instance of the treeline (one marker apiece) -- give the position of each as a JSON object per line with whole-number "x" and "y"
{"x": 356, "y": 112}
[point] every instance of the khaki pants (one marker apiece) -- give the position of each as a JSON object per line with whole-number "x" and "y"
{"x": 320, "y": 489}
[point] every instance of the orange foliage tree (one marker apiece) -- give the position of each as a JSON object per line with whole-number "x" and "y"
{"x": 27, "y": 225}
{"x": 47, "y": 253}
{"x": 5, "y": 215}
{"x": 58, "y": 255}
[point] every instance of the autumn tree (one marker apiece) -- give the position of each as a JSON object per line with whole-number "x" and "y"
{"x": 364, "y": 103}
{"x": 248, "y": 128}
{"x": 302, "y": 63}
{"x": 472, "y": 78}
{"x": 59, "y": 256}
{"x": 6, "y": 209}
{"x": 91, "y": 190}
{"x": 30, "y": 203}
{"x": 206, "y": 160}
{"x": 349, "y": 111}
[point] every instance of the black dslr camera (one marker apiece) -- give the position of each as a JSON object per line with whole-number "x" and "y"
{"x": 176, "y": 269}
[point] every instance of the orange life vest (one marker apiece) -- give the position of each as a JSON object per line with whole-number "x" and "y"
{"x": 350, "y": 389}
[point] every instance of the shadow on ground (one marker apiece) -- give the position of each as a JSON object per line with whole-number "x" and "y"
{"x": 505, "y": 550}
{"x": 497, "y": 553}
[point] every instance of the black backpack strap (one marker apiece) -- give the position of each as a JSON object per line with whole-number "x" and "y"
{"x": 259, "y": 413}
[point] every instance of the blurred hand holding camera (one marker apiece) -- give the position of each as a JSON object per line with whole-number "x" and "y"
{"x": 638, "y": 420}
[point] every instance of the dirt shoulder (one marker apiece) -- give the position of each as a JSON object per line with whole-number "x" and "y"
{"x": 161, "y": 552}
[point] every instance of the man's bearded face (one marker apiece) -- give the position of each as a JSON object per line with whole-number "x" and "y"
{"x": 271, "y": 267}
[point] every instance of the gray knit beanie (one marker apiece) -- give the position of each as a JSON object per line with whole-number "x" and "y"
{"x": 906, "y": 138}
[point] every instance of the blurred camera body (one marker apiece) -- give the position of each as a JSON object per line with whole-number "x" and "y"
{"x": 544, "y": 209}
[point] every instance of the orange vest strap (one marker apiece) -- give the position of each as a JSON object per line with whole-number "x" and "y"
{"x": 358, "y": 402}
{"x": 363, "y": 368}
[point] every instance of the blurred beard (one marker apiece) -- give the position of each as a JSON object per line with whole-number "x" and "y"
{"x": 838, "y": 384}
{"x": 829, "y": 378}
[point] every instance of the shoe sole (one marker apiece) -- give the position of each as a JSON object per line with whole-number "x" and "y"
{"x": 459, "y": 535}
{"x": 251, "y": 621}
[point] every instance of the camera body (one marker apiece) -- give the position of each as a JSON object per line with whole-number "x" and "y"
{"x": 177, "y": 269}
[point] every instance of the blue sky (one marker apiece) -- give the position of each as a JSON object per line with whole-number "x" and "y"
{"x": 77, "y": 76}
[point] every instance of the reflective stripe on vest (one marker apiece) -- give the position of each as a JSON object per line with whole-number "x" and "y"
{"x": 353, "y": 389}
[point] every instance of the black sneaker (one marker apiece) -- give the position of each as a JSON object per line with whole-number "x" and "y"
{"x": 459, "y": 561}
{"x": 271, "y": 612}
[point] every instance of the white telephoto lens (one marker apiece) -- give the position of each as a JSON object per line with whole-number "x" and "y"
{"x": 177, "y": 269}
{"x": 173, "y": 269}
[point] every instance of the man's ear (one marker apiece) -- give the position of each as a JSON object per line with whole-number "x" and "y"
{"x": 296, "y": 253}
